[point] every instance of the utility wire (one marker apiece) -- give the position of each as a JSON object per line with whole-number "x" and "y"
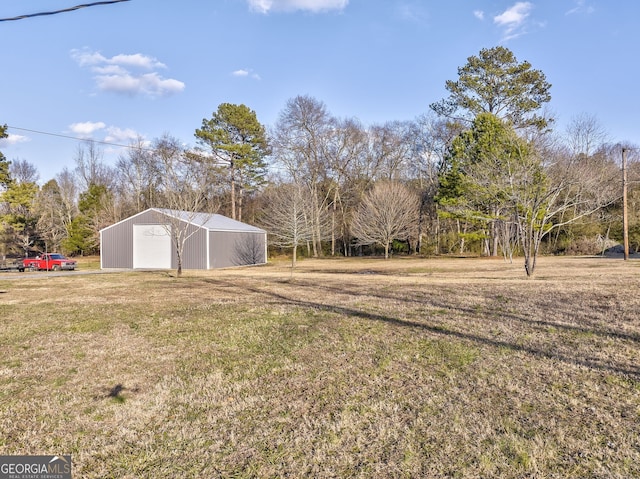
{"x": 70, "y": 9}
{"x": 220, "y": 161}
{"x": 130, "y": 147}
{"x": 79, "y": 139}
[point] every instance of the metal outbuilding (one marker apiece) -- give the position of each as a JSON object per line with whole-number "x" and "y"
{"x": 146, "y": 241}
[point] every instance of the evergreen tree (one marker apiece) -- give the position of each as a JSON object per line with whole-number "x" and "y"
{"x": 83, "y": 234}
{"x": 237, "y": 140}
{"x": 495, "y": 82}
{"x": 18, "y": 218}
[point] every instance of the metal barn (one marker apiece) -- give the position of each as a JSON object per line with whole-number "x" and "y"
{"x": 144, "y": 241}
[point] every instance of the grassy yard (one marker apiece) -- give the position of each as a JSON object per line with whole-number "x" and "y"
{"x": 408, "y": 368}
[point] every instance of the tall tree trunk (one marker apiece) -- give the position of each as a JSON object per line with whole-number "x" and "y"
{"x": 333, "y": 222}
{"x": 530, "y": 241}
{"x": 240, "y": 202}
{"x": 179, "y": 258}
{"x": 421, "y": 215}
{"x": 606, "y": 239}
{"x": 315, "y": 225}
{"x": 460, "y": 231}
{"x": 233, "y": 190}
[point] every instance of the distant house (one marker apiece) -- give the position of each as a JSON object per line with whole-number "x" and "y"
{"x": 143, "y": 241}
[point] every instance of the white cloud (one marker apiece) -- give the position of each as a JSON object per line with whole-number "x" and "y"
{"x": 13, "y": 139}
{"x": 514, "y": 16}
{"x": 86, "y": 58}
{"x": 86, "y": 129}
{"x": 149, "y": 84}
{"x": 581, "y": 7}
{"x": 315, "y": 6}
{"x": 412, "y": 12}
{"x": 128, "y": 74}
{"x": 109, "y": 70}
{"x": 479, "y": 14}
{"x": 114, "y": 137}
{"x": 245, "y": 73}
{"x": 513, "y": 19}
{"x": 121, "y": 136}
{"x": 137, "y": 60}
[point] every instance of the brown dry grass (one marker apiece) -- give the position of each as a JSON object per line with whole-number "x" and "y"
{"x": 351, "y": 368}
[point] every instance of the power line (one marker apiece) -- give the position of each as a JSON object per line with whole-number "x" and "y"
{"x": 80, "y": 139}
{"x": 119, "y": 145}
{"x": 70, "y": 9}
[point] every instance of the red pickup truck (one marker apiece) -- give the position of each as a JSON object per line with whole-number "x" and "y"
{"x": 49, "y": 261}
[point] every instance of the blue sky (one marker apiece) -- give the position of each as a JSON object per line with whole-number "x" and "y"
{"x": 149, "y": 67}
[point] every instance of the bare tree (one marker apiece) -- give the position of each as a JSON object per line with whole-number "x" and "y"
{"x": 139, "y": 176}
{"x": 551, "y": 189}
{"x": 90, "y": 168}
{"x": 52, "y": 219}
{"x": 67, "y": 194}
{"x": 496, "y": 175}
{"x": 23, "y": 172}
{"x": 585, "y": 135}
{"x": 286, "y": 217}
{"x": 98, "y": 209}
{"x": 431, "y": 138}
{"x": 250, "y": 249}
{"x": 347, "y": 154}
{"x": 184, "y": 183}
{"x": 300, "y": 143}
{"x": 390, "y": 148}
{"x": 389, "y": 211}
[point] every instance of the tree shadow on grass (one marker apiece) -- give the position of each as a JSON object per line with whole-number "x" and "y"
{"x": 559, "y": 305}
{"x": 444, "y": 331}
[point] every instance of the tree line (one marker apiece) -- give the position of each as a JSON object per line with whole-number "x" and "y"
{"x": 481, "y": 172}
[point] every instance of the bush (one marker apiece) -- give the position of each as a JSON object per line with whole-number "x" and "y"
{"x": 584, "y": 246}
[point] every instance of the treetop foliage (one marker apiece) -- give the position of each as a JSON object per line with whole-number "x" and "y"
{"x": 480, "y": 165}
{"x": 234, "y": 134}
{"x": 495, "y": 82}
{"x": 236, "y": 139}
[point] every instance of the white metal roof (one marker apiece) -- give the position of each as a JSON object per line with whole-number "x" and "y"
{"x": 212, "y": 222}
{"x": 209, "y": 221}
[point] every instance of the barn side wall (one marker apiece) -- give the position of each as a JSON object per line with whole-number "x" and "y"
{"x": 195, "y": 250}
{"x": 235, "y": 248}
{"x": 116, "y": 243}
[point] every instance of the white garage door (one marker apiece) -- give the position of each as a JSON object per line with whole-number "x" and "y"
{"x": 151, "y": 246}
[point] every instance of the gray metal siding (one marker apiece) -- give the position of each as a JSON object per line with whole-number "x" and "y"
{"x": 226, "y": 248}
{"x": 231, "y": 248}
{"x": 194, "y": 250}
{"x": 116, "y": 246}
